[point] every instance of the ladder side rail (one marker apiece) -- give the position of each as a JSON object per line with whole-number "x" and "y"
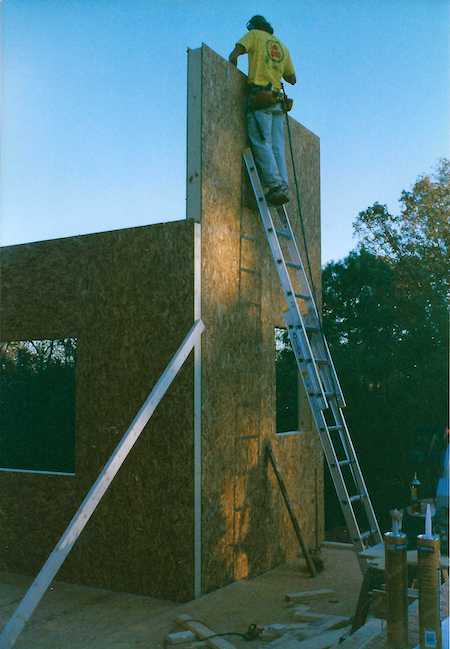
{"x": 306, "y": 369}
{"x": 342, "y": 402}
{"x": 283, "y": 273}
{"x": 350, "y": 453}
{"x": 335, "y": 470}
{"x": 38, "y": 588}
{"x": 320, "y": 374}
{"x": 299, "y": 343}
{"x": 337, "y": 476}
{"x": 355, "y": 469}
{"x": 340, "y": 483}
{"x": 357, "y": 472}
{"x": 321, "y": 346}
{"x": 295, "y": 253}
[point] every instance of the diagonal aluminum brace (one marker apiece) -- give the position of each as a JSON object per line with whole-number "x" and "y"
{"x": 38, "y": 588}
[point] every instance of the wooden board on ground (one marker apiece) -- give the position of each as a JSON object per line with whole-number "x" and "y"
{"x": 306, "y": 595}
{"x": 328, "y": 621}
{"x": 324, "y": 640}
{"x": 361, "y": 638}
{"x": 287, "y": 641}
{"x": 180, "y": 637}
{"x": 203, "y": 632}
{"x": 318, "y": 638}
{"x": 271, "y": 631}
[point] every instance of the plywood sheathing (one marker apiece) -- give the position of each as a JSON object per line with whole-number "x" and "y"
{"x": 128, "y": 298}
{"x": 245, "y": 527}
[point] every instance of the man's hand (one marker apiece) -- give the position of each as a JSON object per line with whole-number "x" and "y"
{"x": 238, "y": 51}
{"x": 291, "y": 78}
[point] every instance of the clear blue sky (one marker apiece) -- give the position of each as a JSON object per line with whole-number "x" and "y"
{"x": 94, "y": 105}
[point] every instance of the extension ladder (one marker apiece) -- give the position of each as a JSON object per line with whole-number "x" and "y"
{"x": 317, "y": 370}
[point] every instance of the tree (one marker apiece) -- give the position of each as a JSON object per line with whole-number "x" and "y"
{"x": 417, "y": 240}
{"x": 386, "y": 320}
{"x": 37, "y": 404}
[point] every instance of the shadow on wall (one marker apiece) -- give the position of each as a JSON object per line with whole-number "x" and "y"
{"x": 257, "y": 547}
{"x": 257, "y": 544}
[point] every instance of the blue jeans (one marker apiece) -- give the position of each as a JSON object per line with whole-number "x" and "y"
{"x": 265, "y": 129}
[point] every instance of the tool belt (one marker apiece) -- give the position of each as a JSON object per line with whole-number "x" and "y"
{"x": 261, "y": 97}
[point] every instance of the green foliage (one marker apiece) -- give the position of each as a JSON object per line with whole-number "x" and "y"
{"x": 286, "y": 383}
{"x": 37, "y": 405}
{"x": 386, "y": 320}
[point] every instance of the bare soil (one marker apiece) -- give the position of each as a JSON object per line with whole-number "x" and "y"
{"x": 78, "y": 617}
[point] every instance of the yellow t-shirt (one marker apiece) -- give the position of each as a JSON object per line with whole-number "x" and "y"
{"x": 268, "y": 59}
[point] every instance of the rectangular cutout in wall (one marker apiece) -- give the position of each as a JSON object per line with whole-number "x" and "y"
{"x": 287, "y": 388}
{"x": 37, "y": 405}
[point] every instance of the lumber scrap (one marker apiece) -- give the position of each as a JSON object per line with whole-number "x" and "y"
{"x": 321, "y": 623}
{"x": 180, "y": 637}
{"x": 306, "y": 595}
{"x": 287, "y": 641}
{"x": 324, "y": 640}
{"x": 363, "y": 636}
{"x": 302, "y": 608}
{"x": 331, "y": 622}
{"x": 203, "y": 632}
{"x": 320, "y": 619}
{"x": 271, "y": 631}
{"x": 292, "y": 516}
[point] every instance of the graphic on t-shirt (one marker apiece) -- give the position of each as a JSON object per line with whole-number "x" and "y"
{"x": 275, "y": 51}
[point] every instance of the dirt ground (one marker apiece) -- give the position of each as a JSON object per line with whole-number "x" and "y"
{"x": 77, "y": 617}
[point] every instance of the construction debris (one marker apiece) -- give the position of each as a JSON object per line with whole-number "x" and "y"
{"x": 312, "y": 631}
{"x": 180, "y": 637}
{"x": 203, "y": 632}
{"x": 315, "y": 641}
{"x": 363, "y": 636}
{"x": 324, "y": 640}
{"x": 287, "y": 641}
{"x": 330, "y": 621}
{"x": 310, "y": 594}
{"x": 271, "y": 631}
{"x": 303, "y": 608}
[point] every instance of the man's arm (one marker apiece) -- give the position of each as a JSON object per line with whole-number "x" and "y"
{"x": 290, "y": 78}
{"x": 238, "y": 51}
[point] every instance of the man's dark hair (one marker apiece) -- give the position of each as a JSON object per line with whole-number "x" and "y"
{"x": 259, "y": 22}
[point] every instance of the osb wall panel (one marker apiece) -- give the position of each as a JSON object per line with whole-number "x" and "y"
{"x": 245, "y": 527}
{"x": 127, "y": 296}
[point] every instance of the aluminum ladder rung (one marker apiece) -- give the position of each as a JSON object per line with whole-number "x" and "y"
{"x": 283, "y": 233}
{"x": 315, "y": 393}
{"x": 315, "y": 365}
{"x": 346, "y": 462}
{"x": 357, "y": 497}
{"x": 312, "y": 328}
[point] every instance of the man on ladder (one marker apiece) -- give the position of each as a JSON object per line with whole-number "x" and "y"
{"x": 269, "y": 62}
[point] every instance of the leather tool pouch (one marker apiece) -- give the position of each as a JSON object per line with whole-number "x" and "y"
{"x": 263, "y": 99}
{"x": 267, "y": 98}
{"x": 287, "y": 104}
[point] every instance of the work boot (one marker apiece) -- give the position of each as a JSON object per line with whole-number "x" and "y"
{"x": 277, "y": 196}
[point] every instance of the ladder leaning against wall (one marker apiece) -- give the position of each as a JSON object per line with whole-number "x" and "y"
{"x": 316, "y": 369}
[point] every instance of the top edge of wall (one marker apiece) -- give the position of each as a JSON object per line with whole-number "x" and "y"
{"x": 72, "y": 237}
